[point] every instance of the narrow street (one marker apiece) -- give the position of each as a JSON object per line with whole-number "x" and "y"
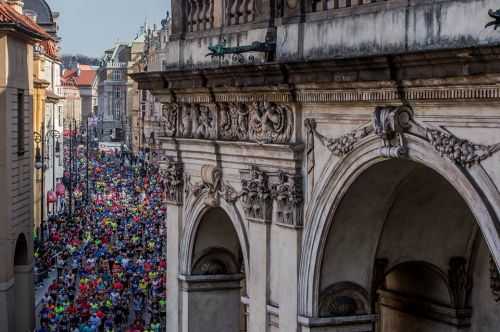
{"x": 110, "y": 255}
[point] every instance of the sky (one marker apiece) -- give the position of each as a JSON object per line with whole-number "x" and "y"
{"x": 89, "y": 27}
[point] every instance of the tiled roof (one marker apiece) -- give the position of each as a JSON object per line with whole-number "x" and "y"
{"x": 10, "y": 18}
{"x": 50, "y": 48}
{"x": 86, "y": 77}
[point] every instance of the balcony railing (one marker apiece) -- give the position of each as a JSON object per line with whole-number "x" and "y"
{"x": 200, "y": 15}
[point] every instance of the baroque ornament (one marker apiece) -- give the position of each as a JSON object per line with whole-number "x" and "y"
{"x": 211, "y": 182}
{"x": 461, "y": 151}
{"x": 256, "y": 196}
{"x": 261, "y": 122}
{"x": 169, "y": 118}
{"x": 390, "y": 123}
{"x": 173, "y": 180}
{"x": 288, "y": 196}
{"x": 342, "y": 145}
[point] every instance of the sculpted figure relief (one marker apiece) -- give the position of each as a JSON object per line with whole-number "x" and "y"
{"x": 204, "y": 122}
{"x": 169, "y": 118}
{"x": 269, "y": 123}
{"x": 262, "y": 122}
{"x": 186, "y": 125}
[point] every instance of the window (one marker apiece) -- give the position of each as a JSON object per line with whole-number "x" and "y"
{"x": 20, "y": 123}
{"x": 117, "y": 75}
{"x": 59, "y": 114}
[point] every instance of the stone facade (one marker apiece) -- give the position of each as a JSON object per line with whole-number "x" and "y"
{"x": 112, "y": 91}
{"x": 18, "y": 35}
{"x": 347, "y": 180}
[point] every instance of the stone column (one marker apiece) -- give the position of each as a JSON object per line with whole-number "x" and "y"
{"x": 172, "y": 178}
{"x": 257, "y": 206}
{"x": 289, "y": 267}
{"x": 174, "y": 222}
{"x": 7, "y": 314}
{"x": 24, "y": 298}
{"x": 287, "y": 214}
{"x": 258, "y": 275}
{"x": 211, "y": 303}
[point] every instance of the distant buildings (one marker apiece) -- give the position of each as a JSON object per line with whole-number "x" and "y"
{"x": 84, "y": 78}
{"x": 145, "y": 110}
{"x": 112, "y": 93}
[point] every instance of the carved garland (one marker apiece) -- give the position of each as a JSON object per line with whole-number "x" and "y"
{"x": 261, "y": 122}
{"x": 390, "y": 123}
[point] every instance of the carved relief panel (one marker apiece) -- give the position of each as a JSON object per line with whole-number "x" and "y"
{"x": 261, "y": 122}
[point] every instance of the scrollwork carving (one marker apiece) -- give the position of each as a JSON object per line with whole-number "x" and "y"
{"x": 461, "y": 151}
{"x": 390, "y": 124}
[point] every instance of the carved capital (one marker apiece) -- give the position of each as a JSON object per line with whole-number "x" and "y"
{"x": 173, "y": 181}
{"x": 287, "y": 193}
{"x": 256, "y": 195}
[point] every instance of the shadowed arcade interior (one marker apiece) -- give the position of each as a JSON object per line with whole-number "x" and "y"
{"x": 417, "y": 250}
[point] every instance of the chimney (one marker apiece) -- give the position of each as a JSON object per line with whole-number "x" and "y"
{"x": 17, "y": 5}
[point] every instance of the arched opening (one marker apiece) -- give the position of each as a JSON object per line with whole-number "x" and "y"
{"x": 405, "y": 241}
{"x": 21, "y": 251}
{"x": 217, "y": 281}
{"x": 23, "y": 286}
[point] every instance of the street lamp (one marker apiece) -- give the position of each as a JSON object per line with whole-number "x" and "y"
{"x": 55, "y": 135}
{"x": 39, "y": 166}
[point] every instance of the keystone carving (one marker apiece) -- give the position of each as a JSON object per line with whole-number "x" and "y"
{"x": 211, "y": 181}
{"x": 256, "y": 196}
{"x": 173, "y": 180}
{"x": 288, "y": 196}
{"x": 494, "y": 280}
{"x": 261, "y": 122}
{"x": 461, "y": 151}
{"x": 460, "y": 281}
{"x": 390, "y": 124}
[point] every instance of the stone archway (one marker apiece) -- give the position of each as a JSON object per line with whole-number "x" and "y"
{"x": 213, "y": 266}
{"x": 354, "y": 215}
{"x": 23, "y": 286}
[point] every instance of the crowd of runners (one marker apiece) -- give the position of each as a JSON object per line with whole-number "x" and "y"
{"x": 110, "y": 256}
